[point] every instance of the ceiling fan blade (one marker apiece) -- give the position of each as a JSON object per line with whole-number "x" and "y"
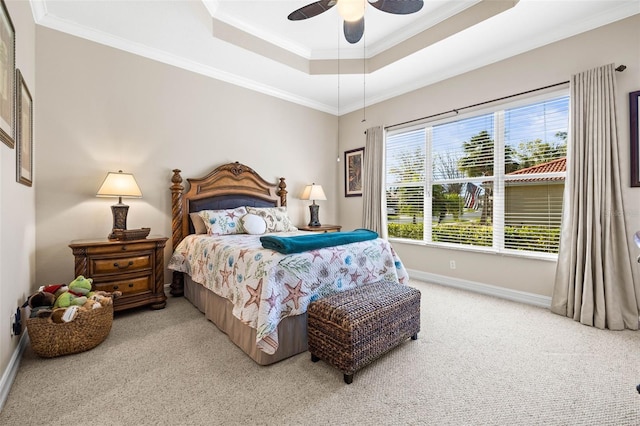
{"x": 311, "y": 10}
{"x": 353, "y": 31}
{"x": 398, "y": 7}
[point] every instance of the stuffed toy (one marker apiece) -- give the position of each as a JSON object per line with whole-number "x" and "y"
{"x": 62, "y": 315}
{"x": 56, "y": 315}
{"x": 91, "y": 304}
{"x": 41, "y": 304}
{"x": 55, "y": 289}
{"x": 76, "y": 294}
{"x": 105, "y": 297}
{"x": 98, "y": 299}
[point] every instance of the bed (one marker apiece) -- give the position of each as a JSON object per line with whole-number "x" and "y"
{"x": 257, "y": 296}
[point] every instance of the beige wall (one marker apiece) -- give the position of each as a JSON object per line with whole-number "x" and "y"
{"x": 17, "y": 212}
{"x": 616, "y": 43}
{"x": 103, "y": 109}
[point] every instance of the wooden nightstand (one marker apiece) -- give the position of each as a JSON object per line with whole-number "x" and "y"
{"x": 136, "y": 268}
{"x": 321, "y": 228}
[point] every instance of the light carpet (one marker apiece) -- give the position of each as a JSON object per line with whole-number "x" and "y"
{"x": 478, "y": 360}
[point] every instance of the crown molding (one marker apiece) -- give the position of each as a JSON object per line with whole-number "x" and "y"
{"x": 331, "y": 66}
{"x": 514, "y": 47}
{"x": 266, "y": 36}
{"x": 46, "y": 20}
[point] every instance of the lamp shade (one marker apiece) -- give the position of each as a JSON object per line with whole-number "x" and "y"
{"x": 313, "y": 192}
{"x": 119, "y": 185}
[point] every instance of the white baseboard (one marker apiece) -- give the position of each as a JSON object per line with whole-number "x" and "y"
{"x": 12, "y": 369}
{"x": 490, "y": 290}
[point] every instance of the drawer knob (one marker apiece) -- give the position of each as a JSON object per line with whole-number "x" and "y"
{"x": 130, "y": 285}
{"x": 117, "y": 265}
{"x": 115, "y": 287}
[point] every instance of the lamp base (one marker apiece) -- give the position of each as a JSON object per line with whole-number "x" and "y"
{"x": 119, "y": 212}
{"x": 313, "y": 209}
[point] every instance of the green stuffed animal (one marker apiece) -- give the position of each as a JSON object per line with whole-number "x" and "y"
{"x": 76, "y": 294}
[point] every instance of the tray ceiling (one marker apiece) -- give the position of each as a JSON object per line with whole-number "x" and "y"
{"x": 252, "y": 44}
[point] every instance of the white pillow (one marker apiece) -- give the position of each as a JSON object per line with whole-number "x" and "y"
{"x": 253, "y": 224}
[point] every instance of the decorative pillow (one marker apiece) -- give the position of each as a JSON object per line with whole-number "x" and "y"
{"x": 198, "y": 223}
{"x": 253, "y": 224}
{"x": 223, "y": 222}
{"x": 276, "y": 218}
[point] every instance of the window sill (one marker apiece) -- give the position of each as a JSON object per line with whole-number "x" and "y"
{"x": 485, "y": 250}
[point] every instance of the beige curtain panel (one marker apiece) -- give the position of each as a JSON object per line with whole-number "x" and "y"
{"x": 372, "y": 182}
{"x": 594, "y": 279}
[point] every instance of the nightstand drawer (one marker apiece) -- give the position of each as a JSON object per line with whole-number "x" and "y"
{"x": 133, "y": 285}
{"x": 116, "y": 265}
{"x": 135, "y": 268}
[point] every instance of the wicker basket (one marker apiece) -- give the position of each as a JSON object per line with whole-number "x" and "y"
{"x": 86, "y": 331}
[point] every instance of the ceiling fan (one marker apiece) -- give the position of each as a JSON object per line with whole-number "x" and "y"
{"x": 352, "y": 11}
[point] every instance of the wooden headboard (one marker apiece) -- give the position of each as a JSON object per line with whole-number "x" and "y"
{"x": 228, "y": 186}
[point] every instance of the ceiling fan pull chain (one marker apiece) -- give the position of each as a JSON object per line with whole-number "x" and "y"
{"x": 364, "y": 78}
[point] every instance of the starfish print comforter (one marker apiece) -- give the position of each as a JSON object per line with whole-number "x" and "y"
{"x": 265, "y": 286}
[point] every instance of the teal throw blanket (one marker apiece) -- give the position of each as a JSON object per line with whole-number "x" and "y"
{"x": 300, "y": 243}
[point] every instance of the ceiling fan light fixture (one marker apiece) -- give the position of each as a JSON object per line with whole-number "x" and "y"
{"x": 351, "y": 10}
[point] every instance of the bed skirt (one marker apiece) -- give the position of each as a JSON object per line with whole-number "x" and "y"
{"x": 292, "y": 331}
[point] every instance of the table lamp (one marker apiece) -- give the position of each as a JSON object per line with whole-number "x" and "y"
{"x": 119, "y": 185}
{"x": 313, "y": 192}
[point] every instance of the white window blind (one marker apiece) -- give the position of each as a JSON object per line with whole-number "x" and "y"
{"x": 536, "y": 138}
{"x": 494, "y": 179}
{"x": 406, "y": 180}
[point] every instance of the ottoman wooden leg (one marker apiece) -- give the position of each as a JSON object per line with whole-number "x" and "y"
{"x": 314, "y": 358}
{"x": 348, "y": 378}
{"x": 414, "y": 337}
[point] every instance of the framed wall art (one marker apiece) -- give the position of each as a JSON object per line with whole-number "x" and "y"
{"x": 7, "y": 77}
{"x": 24, "y": 132}
{"x": 353, "y": 161}
{"x": 634, "y": 110}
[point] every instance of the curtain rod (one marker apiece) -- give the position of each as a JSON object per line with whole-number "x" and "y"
{"x": 457, "y": 110}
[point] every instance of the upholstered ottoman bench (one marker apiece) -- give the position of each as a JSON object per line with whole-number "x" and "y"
{"x": 349, "y": 330}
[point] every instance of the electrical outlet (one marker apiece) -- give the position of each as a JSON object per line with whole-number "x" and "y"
{"x": 15, "y": 321}
{"x": 452, "y": 264}
{"x": 12, "y": 319}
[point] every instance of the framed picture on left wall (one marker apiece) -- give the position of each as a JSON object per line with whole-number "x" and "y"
{"x": 24, "y": 133}
{"x": 634, "y": 119}
{"x": 7, "y": 77}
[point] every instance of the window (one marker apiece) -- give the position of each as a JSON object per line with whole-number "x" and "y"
{"x": 493, "y": 179}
